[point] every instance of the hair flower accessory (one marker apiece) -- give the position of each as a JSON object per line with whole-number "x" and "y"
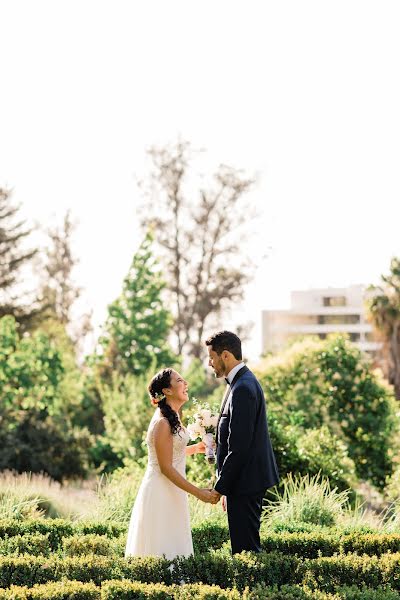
{"x": 157, "y": 398}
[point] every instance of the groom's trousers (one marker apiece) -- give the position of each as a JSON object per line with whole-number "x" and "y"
{"x": 244, "y": 515}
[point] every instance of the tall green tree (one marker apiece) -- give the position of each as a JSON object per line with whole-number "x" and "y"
{"x": 138, "y": 324}
{"x": 384, "y": 311}
{"x": 13, "y": 258}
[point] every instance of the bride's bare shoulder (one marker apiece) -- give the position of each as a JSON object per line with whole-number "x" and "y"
{"x": 161, "y": 426}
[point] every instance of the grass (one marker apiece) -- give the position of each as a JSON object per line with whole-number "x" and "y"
{"x": 24, "y": 495}
{"x": 307, "y": 500}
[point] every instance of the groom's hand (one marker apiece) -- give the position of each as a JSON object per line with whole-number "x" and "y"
{"x": 215, "y": 495}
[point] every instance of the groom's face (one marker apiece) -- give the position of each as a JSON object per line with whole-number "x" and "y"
{"x": 215, "y": 361}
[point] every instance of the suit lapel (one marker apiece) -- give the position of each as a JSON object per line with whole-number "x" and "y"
{"x": 227, "y": 392}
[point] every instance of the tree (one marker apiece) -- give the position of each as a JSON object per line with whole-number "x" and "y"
{"x": 201, "y": 238}
{"x": 138, "y": 324}
{"x": 36, "y": 433}
{"x": 384, "y": 311}
{"x": 59, "y": 290}
{"x": 12, "y": 260}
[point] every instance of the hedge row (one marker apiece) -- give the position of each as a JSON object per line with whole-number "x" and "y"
{"x": 307, "y": 545}
{"x": 57, "y": 529}
{"x": 312, "y": 545}
{"x": 239, "y": 571}
{"x": 126, "y": 590}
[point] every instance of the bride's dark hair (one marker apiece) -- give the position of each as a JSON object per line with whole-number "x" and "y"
{"x": 162, "y": 380}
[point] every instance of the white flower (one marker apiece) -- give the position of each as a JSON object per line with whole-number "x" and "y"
{"x": 192, "y": 429}
{"x": 214, "y": 420}
{"x": 195, "y": 430}
{"x": 206, "y": 417}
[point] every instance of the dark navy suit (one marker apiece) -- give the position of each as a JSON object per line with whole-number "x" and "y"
{"x": 245, "y": 459}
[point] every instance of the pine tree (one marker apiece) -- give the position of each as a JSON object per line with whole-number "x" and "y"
{"x": 138, "y": 324}
{"x": 12, "y": 259}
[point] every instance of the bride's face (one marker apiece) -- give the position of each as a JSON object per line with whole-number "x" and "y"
{"x": 178, "y": 390}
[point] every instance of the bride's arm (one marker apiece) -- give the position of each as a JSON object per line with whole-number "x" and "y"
{"x": 164, "y": 451}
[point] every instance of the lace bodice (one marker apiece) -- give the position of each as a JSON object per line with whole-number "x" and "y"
{"x": 179, "y": 441}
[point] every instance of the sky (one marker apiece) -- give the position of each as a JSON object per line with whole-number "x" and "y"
{"x": 306, "y": 95}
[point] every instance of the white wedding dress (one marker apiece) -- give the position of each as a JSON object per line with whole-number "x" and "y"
{"x": 160, "y": 520}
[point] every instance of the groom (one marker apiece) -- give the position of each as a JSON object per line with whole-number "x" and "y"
{"x": 246, "y": 465}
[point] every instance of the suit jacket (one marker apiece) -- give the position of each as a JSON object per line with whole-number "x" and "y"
{"x": 245, "y": 458}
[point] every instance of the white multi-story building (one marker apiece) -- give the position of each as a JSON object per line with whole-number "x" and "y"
{"x": 320, "y": 312}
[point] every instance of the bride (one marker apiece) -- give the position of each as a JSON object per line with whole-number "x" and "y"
{"x": 160, "y": 522}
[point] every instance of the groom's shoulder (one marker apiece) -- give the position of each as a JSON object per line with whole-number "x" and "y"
{"x": 247, "y": 380}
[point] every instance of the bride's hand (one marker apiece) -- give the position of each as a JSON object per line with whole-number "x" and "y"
{"x": 206, "y": 495}
{"x": 200, "y": 448}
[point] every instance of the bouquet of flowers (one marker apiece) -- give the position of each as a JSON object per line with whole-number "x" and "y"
{"x": 203, "y": 426}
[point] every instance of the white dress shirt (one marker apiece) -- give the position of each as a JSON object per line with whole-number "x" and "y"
{"x": 231, "y": 375}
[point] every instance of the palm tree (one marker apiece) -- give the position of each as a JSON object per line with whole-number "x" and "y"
{"x": 384, "y": 311}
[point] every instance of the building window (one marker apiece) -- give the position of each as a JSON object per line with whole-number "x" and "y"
{"x": 338, "y": 319}
{"x": 355, "y": 337}
{"x": 334, "y": 300}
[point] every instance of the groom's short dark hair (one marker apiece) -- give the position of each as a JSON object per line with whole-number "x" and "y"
{"x": 225, "y": 340}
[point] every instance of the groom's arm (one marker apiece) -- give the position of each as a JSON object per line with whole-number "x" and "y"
{"x": 242, "y": 415}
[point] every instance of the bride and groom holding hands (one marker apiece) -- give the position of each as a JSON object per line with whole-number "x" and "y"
{"x": 246, "y": 467}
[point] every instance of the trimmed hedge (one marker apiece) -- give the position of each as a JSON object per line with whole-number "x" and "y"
{"x": 312, "y": 545}
{"x": 307, "y": 545}
{"x": 99, "y": 545}
{"x": 239, "y": 571}
{"x": 67, "y": 590}
{"x": 29, "y": 570}
{"x": 290, "y": 592}
{"x": 34, "y": 544}
{"x": 127, "y": 590}
{"x": 327, "y": 573}
{"x": 57, "y": 529}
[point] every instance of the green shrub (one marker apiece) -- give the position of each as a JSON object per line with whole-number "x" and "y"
{"x": 58, "y": 529}
{"x": 34, "y": 544}
{"x": 328, "y": 573}
{"x": 238, "y": 571}
{"x": 35, "y": 432}
{"x": 207, "y": 536}
{"x": 28, "y": 570}
{"x": 100, "y": 545}
{"x": 330, "y": 382}
{"x": 306, "y": 545}
{"x": 127, "y": 590}
{"x": 290, "y": 592}
{"x": 325, "y": 453}
{"x": 67, "y": 590}
{"x": 392, "y": 490}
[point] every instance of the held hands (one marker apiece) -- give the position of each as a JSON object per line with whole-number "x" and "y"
{"x": 208, "y": 495}
{"x": 200, "y": 448}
